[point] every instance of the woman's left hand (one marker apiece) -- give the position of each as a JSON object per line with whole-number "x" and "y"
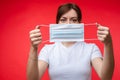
{"x": 103, "y": 34}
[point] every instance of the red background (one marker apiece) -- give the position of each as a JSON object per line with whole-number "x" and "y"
{"x": 17, "y": 18}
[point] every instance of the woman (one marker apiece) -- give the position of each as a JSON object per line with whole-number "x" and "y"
{"x": 70, "y": 60}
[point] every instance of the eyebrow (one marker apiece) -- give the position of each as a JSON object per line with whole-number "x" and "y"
{"x": 71, "y": 17}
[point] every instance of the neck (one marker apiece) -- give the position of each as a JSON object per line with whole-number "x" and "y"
{"x": 68, "y": 44}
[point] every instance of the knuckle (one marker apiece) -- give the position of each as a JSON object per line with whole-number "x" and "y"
{"x": 38, "y": 33}
{"x": 31, "y": 36}
{"x": 31, "y": 31}
{"x": 100, "y": 39}
{"x": 40, "y": 37}
{"x": 107, "y": 32}
{"x": 37, "y": 30}
{"x": 105, "y": 36}
{"x": 32, "y": 40}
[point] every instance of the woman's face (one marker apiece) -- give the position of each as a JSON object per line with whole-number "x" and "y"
{"x": 69, "y": 18}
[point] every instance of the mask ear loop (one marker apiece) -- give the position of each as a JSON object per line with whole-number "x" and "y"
{"x": 91, "y": 24}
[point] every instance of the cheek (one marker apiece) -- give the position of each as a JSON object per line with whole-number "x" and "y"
{"x": 58, "y": 22}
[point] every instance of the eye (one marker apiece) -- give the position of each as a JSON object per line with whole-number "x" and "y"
{"x": 74, "y": 20}
{"x": 62, "y": 20}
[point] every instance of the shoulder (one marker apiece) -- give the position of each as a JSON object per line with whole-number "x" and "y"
{"x": 92, "y": 49}
{"x": 88, "y": 45}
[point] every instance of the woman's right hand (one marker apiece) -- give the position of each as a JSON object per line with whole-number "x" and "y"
{"x": 35, "y": 37}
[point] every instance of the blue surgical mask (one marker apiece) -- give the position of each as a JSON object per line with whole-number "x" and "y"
{"x": 66, "y": 32}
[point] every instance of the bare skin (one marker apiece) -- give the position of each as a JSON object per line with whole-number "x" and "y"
{"x": 104, "y": 67}
{"x": 35, "y": 68}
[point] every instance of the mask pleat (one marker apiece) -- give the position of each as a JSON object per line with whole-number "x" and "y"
{"x": 67, "y": 32}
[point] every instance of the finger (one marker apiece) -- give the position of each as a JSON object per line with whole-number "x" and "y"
{"x": 35, "y": 35}
{"x": 102, "y": 32}
{"x": 102, "y": 36}
{"x": 36, "y": 39}
{"x": 102, "y": 28}
{"x": 36, "y": 42}
{"x": 101, "y": 39}
{"x": 37, "y": 27}
{"x": 34, "y": 31}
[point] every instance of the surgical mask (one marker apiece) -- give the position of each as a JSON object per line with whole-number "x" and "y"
{"x": 67, "y": 32}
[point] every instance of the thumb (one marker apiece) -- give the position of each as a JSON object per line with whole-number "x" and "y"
{"x": 37, "y": 27}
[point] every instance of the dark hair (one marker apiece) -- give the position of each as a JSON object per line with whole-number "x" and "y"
{"x": 65, "y": 8}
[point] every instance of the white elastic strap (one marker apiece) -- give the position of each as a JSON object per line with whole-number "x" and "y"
{"x": 90, "y": 24}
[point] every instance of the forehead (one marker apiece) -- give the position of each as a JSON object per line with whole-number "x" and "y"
{"x": 71, "y": 13}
